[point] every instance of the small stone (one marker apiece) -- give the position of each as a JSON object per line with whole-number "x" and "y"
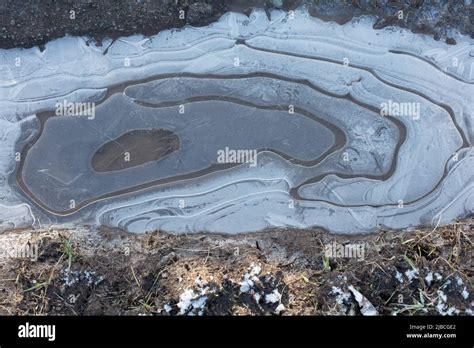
{"x": 450, "y": 41}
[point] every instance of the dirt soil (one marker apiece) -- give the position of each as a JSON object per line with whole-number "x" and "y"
{"x": 28, "y": 23}
{"x": 135, "y": 148}
{"x": 275, "y": 272}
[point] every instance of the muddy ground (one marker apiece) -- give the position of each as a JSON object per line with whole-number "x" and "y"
{"x": 135, "y": 148}
{"x": 30, "y": 23}
{"x": 279, "y": 272}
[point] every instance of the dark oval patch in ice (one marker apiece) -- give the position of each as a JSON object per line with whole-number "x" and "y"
{"x": 135, "y": 148}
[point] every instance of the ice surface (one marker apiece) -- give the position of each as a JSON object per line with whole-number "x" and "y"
{"x": 305, "y": 94}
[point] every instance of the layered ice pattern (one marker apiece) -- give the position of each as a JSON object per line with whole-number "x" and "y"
{"x": 307, "y": 95}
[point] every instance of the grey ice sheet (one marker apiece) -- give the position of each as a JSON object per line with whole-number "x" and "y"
{"x": 335, "y": 162}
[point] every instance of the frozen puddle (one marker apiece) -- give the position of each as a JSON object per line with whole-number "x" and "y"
{"x": 246, "y": 124}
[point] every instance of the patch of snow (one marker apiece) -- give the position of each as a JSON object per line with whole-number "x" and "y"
{"x": 341, "y": 296}
{"x": 366, "y": 308}
{"x": 72, "y": 277}
{"x": 280, "y": 308}
{"x": 257, "y": 297}
{"x": 442, "y": 296}
{"x": 429, "y": 278}
{"x": 442, "y": 306}
{"x": 411, "y": 273}
{"x": 190, "y": 303}
{"x": 273, "y": 297}
{"x": 452, "y": 310}
{"x": 167, "y": 308}
{"x": 246, "y": 285}
{"x": 399, "y": 277}
{"x": 193, "y": 301}
{"x": 465, "y": 293}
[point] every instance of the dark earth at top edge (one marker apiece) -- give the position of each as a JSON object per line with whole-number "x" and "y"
{"x": 29, "y": 23}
